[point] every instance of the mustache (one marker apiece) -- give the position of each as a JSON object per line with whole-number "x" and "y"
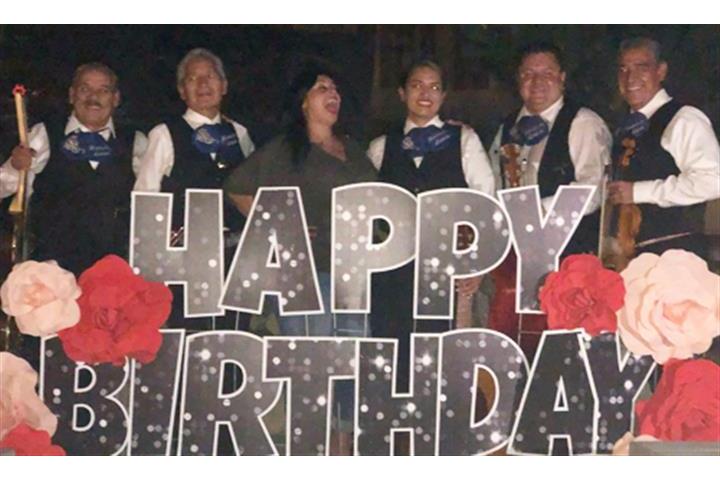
{"x": 92, "y": 103}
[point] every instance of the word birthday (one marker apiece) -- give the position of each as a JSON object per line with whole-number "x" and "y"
{"x": 578, "y": 396}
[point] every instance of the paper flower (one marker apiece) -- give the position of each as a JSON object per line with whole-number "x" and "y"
{"x": 582, "y": 294}
{"x": 121, "y": 315}
{"x": 672, "y": 306}
{"x": 686, "y": 403}
{"x": 26, "y": 441}
{"x": 19, "y": 403}
{"x": 42, "y": 298}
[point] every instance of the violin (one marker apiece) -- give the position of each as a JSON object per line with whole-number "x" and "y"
{"x": 526, "y": 328}
{"x": 620, "y": 224}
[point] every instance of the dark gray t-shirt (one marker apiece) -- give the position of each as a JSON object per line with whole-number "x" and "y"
{"x": 320, "y": 172}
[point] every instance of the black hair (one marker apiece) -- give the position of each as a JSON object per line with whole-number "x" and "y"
{"x": 422, "y": 63}
{"x": 542, "y": 46}
{"x": 295, "y": 123}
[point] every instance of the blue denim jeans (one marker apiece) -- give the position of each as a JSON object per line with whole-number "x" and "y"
{"x": 327, "y": 324}
{"x": 330, "y": 324}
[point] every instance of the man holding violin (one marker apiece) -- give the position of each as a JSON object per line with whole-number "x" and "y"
{"x": 550, "y": 141}
{"x": 674, "y": 166}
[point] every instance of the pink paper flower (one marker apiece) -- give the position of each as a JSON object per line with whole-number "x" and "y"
{"x": 672, "y": 306}
{"x": 19, "y": 403}
{"x": 42, "y": 298}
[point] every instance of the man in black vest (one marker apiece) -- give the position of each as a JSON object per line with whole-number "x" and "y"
{"x": 197, "y": 150}
{"x": 424, "y": 154}
{"x": 560, "y": 142}
{"x": 80, "y": 174}
{"x": 675, "y": 169}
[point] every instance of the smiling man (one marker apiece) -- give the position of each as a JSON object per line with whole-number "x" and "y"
{"x": 197, "y": 150}
{"x": 676, "y": 166}
{"x": 559, "y": 141}
{"x": 81, "y": 175}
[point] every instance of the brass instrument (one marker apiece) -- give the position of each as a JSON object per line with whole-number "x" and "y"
{"x": 9, "y": 336}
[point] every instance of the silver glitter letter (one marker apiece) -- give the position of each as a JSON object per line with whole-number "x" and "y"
{"x": 197, "y": 265}
{"x": 354, "y": 255}
{"x": 443, "y": 257}
{"x": 274, "y": 256}
{"x": 541, "y": 238}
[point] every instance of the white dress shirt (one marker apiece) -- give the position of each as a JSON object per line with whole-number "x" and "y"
{"x": 475, "y": 162}
{"x": 159, "y": 157}
{"x": 690, "y": 139}
{"x": 590, "y": 146}
{"x": 39, "y": 141}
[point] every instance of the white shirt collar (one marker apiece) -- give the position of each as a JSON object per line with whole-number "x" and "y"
{"x": 74, "y": 124}
{"x": 660, "y": 99}
{"x": 409, "y": 125}
{"x": 195, "y": 119}
{"x": 549, "y": 114}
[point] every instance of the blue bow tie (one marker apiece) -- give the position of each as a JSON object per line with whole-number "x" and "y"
{"x": 529, "y": 130}
{"x": 633, "y": 125}
{"x": 217, "y": 138}
{"x": 421, "y": 141}
{"x": 87, "y": 147}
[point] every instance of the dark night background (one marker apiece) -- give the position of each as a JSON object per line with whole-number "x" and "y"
{"x": 479, "y": 60}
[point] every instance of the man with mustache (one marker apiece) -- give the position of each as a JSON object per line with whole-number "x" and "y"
{"x": 675, "y": 169}
{"x": 80, "y": 172}
{"x": 198, "y": 150}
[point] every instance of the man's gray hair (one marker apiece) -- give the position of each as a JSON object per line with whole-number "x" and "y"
{"x": 199, "y": 53}
{"x": 95, "y": 67}
{"x": 642, "y": 42}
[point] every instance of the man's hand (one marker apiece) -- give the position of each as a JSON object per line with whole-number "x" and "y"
{"x": 620, "y": 192}
{"x": 467, "y": 286}
{"x": 21, "y": 157}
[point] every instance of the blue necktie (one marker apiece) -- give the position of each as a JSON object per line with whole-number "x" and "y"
{"x": 633, "y": 125}
{"x": 421, "y": 141}
{"x": 87, "y": 147}
{"x": 529, "y": 130}
{"x": 216, "y": 138}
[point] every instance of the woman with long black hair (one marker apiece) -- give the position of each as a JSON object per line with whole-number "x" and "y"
{"x": 316, "y": 154}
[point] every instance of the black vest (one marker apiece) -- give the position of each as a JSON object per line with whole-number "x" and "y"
{"x": 79, "y": 214}
{"x": 193, "y": 169}
{"x": 556, "y": 167}
{"x": 441, "y": 169}
{"x": 652, "y": 162}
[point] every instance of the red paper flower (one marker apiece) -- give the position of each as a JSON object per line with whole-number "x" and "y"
{"x": 686, "y": 403}
{"x": 582, "y": 294}
{"x": 26, "y": 441}
{"x": 121, "y": 314}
